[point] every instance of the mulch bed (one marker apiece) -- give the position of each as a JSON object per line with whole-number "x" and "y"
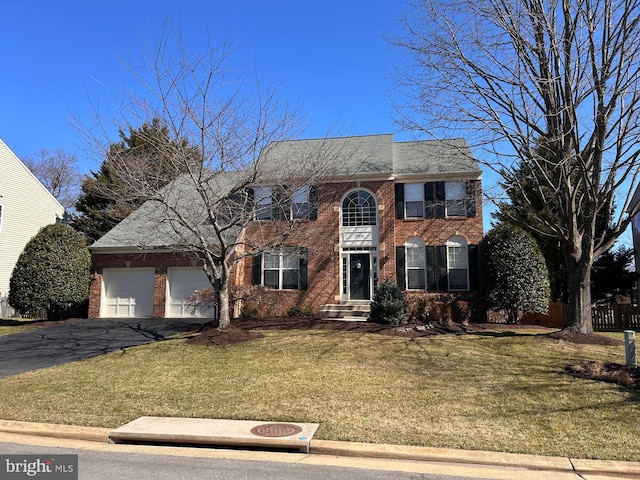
{"x": 242, "y": 330}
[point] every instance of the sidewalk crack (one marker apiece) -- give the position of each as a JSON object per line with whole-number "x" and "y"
{"x": 574, "y": 469}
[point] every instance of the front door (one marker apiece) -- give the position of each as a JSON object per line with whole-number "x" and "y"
{"x": 359, "y": 274}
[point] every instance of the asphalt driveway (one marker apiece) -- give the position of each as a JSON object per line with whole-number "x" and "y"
{"x": 69, "y": 342}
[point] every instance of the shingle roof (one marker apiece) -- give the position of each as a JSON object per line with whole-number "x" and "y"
{"x": 339, "y": 158}
{"x": 372, "y": 155}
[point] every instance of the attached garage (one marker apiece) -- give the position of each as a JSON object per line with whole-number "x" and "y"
{"x": 182, "y": 282}
{"x": 128, "y": 292}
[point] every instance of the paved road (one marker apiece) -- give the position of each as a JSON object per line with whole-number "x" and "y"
{"x": 58, "y": 344}
{"x": 99, "y": 465}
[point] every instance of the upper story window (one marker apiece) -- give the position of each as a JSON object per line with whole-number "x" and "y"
{"x": 435, "y": 199}
{"x": 263, "y": 200}
{"x": 300, "y": 202}
{"x": 359, "y": 209}
{"x": 285, "y": 202}
{"x": 414, "y": 200}
{"x": 455, "y": 195}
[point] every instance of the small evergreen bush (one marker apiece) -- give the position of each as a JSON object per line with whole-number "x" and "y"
{"x": 299, "y": 311}
{"x": 389, "y": 306}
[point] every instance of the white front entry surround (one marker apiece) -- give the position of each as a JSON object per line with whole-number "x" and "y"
{"x": 359, "y": 245}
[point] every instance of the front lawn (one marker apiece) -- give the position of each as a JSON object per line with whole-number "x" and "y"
{"x": 502, "y": 389}
{"x": 16, "y": 325}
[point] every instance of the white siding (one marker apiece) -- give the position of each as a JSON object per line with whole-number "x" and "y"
{"x": 26, "y": 207}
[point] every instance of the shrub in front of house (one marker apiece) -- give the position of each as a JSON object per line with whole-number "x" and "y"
{"x": 443, "y": 308}
{"x": 389, "y": 307}
{"x": 300, "y": 311}
{"x": 52, "y": 273}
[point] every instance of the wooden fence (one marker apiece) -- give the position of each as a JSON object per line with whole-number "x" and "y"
{"x": 614, "y": 317}
{"x": 7, "y": 312}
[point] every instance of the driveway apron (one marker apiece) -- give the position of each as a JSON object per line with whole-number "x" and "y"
{"x": 58, "y": 344}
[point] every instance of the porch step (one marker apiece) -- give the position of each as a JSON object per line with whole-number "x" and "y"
{"x": 351, "y": 312}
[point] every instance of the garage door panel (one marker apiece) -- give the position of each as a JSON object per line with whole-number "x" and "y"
{"x": 128, "y": 293}
{"x": 183, "y": 282}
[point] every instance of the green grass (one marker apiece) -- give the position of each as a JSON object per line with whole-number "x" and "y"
{"x": 15, "y": 325}
{"x": 502, "y": 391}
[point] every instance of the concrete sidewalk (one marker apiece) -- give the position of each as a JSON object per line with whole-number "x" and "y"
{"x": 558, "y": 466}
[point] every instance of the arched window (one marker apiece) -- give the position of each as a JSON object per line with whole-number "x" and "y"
{"x": 415, "y": 264}
{"x": 458, "y": 263}
{"x": 358, "y": 209}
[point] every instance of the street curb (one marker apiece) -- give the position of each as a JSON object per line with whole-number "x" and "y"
{"x": 370, "y": 450}
{"x": 69, "y": 432}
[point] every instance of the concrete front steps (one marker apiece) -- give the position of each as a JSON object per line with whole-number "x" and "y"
{"x": 347, "y": 312}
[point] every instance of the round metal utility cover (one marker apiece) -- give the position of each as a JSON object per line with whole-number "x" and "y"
{"x": 276, "y": 430}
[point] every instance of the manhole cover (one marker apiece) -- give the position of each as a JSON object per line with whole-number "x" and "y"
{"x": 276, "y": 430}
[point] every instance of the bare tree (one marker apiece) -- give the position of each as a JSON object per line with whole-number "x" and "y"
{"x": 58, "y": 172}
{"x": 551, "y": 86}
{"x": 233, "y": 126}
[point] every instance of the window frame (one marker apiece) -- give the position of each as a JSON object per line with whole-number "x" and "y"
{"x": 263, "y": 208}
{"x": 459, "y": 202}
{"x": 283, "y": 255}
{"x": 459, "y": 246}
{"x": 361, "y": 211}
{"x": 417, "y": 244}
{"x": 419, "y": 189}
{"x": 294, "y": 210}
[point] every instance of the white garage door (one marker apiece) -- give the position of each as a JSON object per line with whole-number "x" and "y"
{"x": 182, "y": 283}
{"x": 128, "y": 292}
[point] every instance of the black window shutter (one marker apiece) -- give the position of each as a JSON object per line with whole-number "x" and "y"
{"x": 303, "y": 268}
{"x": 443, "y": 277}
{"x": 400, "y": 267}
{"x": 470, "y": 198}
{"x": 257, "y": 269}
{"x": 431, "y": 267}
{"x": 399, "y": 200}
{"x": 251, "y": 195}
{"x": 313, "y": 203}
{"x": 474, "y": 273}
{"x": 440, "y": 199}
{"x": 429, "y": 197}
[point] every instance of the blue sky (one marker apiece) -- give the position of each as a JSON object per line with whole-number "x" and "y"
{"x": 59, "y": 58}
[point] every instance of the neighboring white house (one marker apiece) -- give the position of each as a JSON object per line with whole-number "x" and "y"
{"x": 25, "y": 207}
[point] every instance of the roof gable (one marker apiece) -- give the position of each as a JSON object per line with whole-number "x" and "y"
{"x": 11, "y": 167}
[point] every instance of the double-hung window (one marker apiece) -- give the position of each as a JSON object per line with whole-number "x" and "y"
{"x": 416, "y": 264}
{"x": 435, "y": 199}
{"x": 264, "y": 202}
{"x": 300, "y": 202}
{"x": 414, "y": 200}
{"x": 458, "y": 263}
{"x": 455, "y": 194}
{"x": 283, "y": 269}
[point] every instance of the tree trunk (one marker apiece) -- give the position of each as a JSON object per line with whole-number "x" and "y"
{"x": 580, "y": 317}
{"x": 224, "y": 314}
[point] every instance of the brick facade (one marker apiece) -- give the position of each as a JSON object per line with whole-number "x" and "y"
{"x": 320, "y": 236}
{"x": 335, "y": 264}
